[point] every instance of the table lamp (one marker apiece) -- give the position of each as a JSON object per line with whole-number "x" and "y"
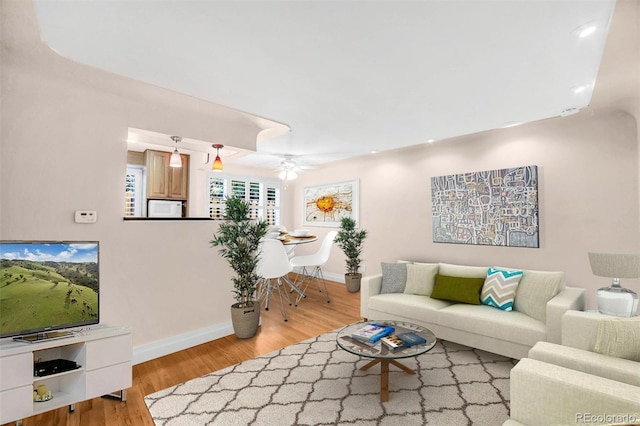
{"x": 616, "y": 300}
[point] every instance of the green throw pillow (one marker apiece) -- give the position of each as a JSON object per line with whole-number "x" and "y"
{"x": 458, "y": 289}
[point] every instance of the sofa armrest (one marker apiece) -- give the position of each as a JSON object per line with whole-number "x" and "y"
{"x": 568, "y": 299}
{"x": 580, "y": 329}
{"x": 547, "y": 394}
{"x": 369, "y": 286}
{"x": 618, "y": 369}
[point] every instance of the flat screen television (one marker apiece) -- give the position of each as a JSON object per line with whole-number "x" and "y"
{"x": 47, "y": 288}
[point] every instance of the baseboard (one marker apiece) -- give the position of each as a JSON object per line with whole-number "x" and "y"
{"x": 184, "y": 341}
{"x": 339, "y": 278}
{"x": 180, "y": 342}
{"x": 331, "y": 276}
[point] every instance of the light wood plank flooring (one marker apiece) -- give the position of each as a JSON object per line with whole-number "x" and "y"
{"x": 312, "y": 317}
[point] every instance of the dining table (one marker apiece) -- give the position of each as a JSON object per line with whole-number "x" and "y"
{"x": 291, "y": 242}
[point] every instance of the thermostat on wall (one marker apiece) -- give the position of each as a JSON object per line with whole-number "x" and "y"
{"x": 86, "y": 216}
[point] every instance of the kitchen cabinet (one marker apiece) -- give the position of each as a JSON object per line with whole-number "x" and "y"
{"x": 165, "y": 182}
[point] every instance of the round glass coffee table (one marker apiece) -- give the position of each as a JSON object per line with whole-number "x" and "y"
{"x": 381, "y": 353}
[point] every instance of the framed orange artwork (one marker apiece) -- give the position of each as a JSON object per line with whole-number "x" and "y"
{"x": 326, "y": 205}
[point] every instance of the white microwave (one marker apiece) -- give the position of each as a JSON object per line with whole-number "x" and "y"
{"x": 164, "y": 208}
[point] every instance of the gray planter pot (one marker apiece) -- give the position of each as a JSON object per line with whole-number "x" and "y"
{"x": 245, "y": 320}
{"x": 353, "y": 282}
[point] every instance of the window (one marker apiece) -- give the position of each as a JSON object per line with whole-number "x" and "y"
{"x": 133, "y": 192}
{"x": 263, "y": 196}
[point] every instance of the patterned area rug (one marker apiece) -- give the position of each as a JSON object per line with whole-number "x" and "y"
{"x": 317, "y": 383}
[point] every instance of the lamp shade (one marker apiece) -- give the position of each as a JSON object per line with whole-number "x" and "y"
{"x": 217, "y": 163}
{"x": 615, "y": 265}
{"x": 175, "y": 160}
{"x": 287, "y": 175}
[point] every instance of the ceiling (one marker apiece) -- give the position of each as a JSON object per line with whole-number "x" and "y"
{"x": 348, "y": 77}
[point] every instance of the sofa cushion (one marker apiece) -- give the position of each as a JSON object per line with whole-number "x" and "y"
{"x": 536, "y": 288}
{"x": 462, "y": 270}
{"x": 420, "y": 308}
{"x": 487, "y": 321}
{"x": 619, "y": 337}
{"x": 420, "y": 278}
{"x": 457, "y": 289}
{"x": 499, "y": 289}
{"x": 394, "y": 277}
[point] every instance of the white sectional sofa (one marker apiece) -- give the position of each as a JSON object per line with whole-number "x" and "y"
{"x": 541, "y": 299}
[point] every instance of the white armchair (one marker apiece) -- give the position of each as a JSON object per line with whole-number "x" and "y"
{"x": 592, "y": 378}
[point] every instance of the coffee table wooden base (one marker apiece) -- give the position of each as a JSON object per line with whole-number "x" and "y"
{"x": 384, "y": 374}
{"x": 381, "y": 354}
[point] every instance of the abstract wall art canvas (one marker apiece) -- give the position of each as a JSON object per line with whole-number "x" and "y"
{"x": 326, "y": 205}
{"x": 493, "y": 207}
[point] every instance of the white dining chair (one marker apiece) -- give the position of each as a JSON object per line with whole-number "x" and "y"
{"x": 273, "y": 268}
{"x": 314, "y": 262}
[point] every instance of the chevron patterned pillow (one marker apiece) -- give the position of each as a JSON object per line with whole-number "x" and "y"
{"x": 499, "y": 289}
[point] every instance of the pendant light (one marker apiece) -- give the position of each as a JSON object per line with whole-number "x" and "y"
{"x": 175, "y": 160}
{"x": 217, "y": 163}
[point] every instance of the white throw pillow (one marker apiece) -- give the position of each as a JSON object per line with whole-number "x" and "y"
{"x": 536, "y": 288}
{"x": 420, "y": 278}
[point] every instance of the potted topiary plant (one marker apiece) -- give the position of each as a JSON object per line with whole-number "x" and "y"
{"x": 350, "y": 241}
{"x": 239, "y": 237}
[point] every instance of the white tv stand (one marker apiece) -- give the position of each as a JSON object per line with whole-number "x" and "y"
{"x": 104, "y": 354}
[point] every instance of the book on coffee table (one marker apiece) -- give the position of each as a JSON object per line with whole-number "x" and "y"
{"x": 403, "y": 340}
{"x": 371, "y": 333}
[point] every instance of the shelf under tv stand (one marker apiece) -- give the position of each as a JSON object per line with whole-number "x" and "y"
{"x": 104, "y": 354}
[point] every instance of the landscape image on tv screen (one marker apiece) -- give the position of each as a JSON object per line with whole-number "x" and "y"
{"x": 47, "y": 285}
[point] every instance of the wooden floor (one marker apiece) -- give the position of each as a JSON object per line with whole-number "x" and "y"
{"x": 312, "y": 317}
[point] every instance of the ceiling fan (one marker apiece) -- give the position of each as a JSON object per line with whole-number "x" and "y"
{"x": 290, "y": 166}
